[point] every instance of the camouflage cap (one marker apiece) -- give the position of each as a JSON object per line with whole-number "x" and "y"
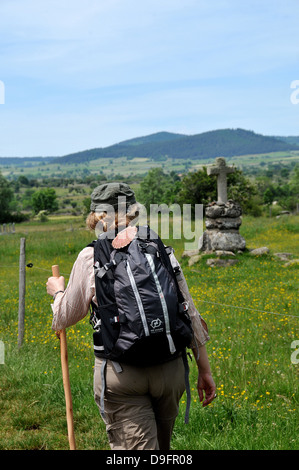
{"x": 108, "y": 194}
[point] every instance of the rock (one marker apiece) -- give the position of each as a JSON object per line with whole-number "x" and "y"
{"x": 259, "y": 251}
{"x": 194, "y": 259}
{"x": 214, "y": 211}
{"x": 228, "y": 241}
{"x": 212, "y": 240}
{"x": 203, "y": 242}
{"x": 283, "y": 256}
{"x": 224, "y": 253}
{"x": 283, "y": 213}
{"x": 293, "y": 262}
{"x": 188, "y": 253}
{"x": 225, "y": 223}
{"x": 221, "y": 262}
{"x": 229, "y": 209}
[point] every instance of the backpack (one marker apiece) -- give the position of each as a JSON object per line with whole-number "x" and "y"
{"x": 141, "y": 317}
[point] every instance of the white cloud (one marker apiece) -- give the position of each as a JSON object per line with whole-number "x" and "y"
{"x": 107, "y": 69}
{"x": 122, "y": 42}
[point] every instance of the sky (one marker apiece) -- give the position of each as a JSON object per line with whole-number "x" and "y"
{"x": 76, "y": 75}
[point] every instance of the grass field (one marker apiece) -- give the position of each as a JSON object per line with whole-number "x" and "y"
{"x": 252, "y": 313}
{"x": 137, "y": 166}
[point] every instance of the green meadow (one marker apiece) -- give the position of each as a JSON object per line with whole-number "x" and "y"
{"x": 137, "y": 166}
{"x": 251, "y": 310}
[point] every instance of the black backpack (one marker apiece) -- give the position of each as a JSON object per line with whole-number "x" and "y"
{"x": 141, "y": 317}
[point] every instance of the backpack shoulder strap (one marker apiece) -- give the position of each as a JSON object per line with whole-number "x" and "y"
{"x": 147, "y": 233}
{"x": 165, "y": 252}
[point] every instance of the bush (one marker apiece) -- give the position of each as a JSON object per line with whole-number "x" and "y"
{"x": 44, "y": 200}
{"x": 6, "y": 197}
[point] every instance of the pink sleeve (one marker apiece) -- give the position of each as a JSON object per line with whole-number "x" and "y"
{"x": 73, "y": 305}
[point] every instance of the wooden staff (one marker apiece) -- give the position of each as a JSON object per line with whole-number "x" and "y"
{"x": 66, "y": 378}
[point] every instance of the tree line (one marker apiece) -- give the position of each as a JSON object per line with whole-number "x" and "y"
{"x": 254, "y": 194}
{"x": 275, "y": 184}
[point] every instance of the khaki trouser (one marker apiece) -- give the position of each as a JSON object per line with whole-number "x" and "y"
{"x": 141, "y": 404}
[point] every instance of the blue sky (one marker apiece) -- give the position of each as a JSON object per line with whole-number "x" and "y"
{"x": 80, "y": 74}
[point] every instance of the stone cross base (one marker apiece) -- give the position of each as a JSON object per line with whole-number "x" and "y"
{"x": 222, "y": 223}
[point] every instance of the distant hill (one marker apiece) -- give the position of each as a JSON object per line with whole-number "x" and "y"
{"x": 291, "y": 139}
{"x": 153, "y": 138}
{"x": 224, "y": 143}
{"x": 24, "y": 161}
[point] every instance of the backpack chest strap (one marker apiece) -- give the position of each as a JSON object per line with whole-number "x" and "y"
{"x": 116, "y": 258}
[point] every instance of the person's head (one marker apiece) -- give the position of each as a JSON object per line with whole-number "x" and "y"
{"x": 112, "y": 205}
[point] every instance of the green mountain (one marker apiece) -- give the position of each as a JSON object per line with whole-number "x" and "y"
{"x": 24, "y": 161}
{"x": 224, "y": 143}
{"x": 290, "y": 139}
{"x": 153, "y": 138}
{"x": 218, "y": 143}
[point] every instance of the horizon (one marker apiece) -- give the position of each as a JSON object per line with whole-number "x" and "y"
{"x": 100, "y": 73}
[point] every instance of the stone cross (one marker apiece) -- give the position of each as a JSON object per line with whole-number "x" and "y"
{"x": 221, "y": 171}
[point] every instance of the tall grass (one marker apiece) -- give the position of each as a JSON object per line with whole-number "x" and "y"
{"x": 250, "y": 309}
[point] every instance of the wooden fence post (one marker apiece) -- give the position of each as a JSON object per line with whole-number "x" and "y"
{"x": 22, "y": 286}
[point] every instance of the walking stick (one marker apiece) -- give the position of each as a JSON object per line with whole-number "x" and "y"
{"x": 66, "y": 378}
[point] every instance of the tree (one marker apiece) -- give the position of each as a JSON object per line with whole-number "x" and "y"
{"x": 23, "y": 180}
{"x": 86, "y": 206}
{"x": 269, "y": 195}
{"x": 197, "y": 188}
{"x": 44, "y": 199}
{"x": 6, "y": 197}
{"x": 158, "y": 188}
{"x": 294, "y": 181}
{"x": 200, "y": 188}
{"x": 242, "y": 190}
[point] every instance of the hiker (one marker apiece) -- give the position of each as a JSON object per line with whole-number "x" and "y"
{"x": 138, "y": 403}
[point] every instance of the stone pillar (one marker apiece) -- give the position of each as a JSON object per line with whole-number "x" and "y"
{"x": 223, "y": 217}
{"x": 222, "y": 228}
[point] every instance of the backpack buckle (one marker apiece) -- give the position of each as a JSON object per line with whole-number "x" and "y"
{"x": 94, "y": 320}
{"x": 108, "y": 266}
{"x": 177, "y": 272}
{"x": 183, "y": 307}
{"x": 100, "y": 272}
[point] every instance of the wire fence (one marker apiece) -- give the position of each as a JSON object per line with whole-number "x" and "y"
{"x": 31, "y": 265}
